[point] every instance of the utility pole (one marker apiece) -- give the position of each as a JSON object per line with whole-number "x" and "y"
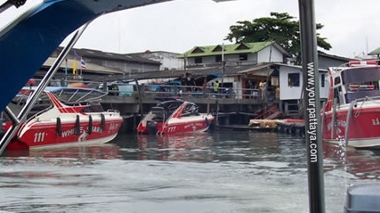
{"x": 223, "y": 65}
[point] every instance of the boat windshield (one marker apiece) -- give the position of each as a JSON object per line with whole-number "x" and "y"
{"x": 171, "y": 105}
{"x": 190, "y": 109}
{"x": 42, "y": 104}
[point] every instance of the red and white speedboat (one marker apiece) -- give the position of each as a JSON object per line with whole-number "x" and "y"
{"x": 65, "y": 117}
{"x": 352, "y": 111}
{"x": 174, "y": 116}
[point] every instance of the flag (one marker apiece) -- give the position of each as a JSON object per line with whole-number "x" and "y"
{"x": 76, "y": 56}
{"x": 82, "y": 63}
{"x": 74, "y": 67}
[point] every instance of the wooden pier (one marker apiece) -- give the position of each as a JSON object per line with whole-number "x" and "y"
{"x": 227, "y": 110}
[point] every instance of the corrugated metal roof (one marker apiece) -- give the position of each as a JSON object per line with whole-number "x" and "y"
{"x": 90, "y": 67}
{"x": 90, "y": 53}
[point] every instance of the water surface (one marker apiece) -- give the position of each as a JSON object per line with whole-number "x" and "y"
{"x": 212, "y": 172}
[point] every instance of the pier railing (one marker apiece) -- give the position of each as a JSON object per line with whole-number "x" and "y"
{"x": 168, "y": 90}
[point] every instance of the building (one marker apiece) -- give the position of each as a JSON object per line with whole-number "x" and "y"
{"x": 128, "y": 64}
{"x": 327, "y": 60}
{"x": 235, "y": 54}
{"x": 168, "y": 60}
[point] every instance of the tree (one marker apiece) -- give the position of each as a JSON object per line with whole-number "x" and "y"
{"x": 279, "y": 27}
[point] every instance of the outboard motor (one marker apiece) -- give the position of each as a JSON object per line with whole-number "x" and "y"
{"x": 363, "y": 198}
{"x": 152, "y": 126}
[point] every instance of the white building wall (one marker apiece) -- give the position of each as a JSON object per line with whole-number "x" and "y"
{"x": 270, "y": 54}
{"x": 168, "y": 60}
{"x": 252, "y": 57}
{"x": 287, "y": 92}
{"x": 295, "y": 92}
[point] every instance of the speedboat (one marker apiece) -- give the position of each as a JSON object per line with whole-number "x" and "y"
{"x": 352, "y": 111}
{"x": 174, "y": 116}
{"x": 64, "y": 116}
{"x": 32, "y": 32}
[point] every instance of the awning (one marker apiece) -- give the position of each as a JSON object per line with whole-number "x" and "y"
{"x": 261, "y": 70}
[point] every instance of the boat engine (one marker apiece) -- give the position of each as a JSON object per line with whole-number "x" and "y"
{"x": 152, "y": 126}
{"x": 363, "y": 198}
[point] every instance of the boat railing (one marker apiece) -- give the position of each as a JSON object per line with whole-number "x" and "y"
{"x": 166, "y": 90}
{"x": 78, "y": 95}
{"x": 361, "y": 95}
{"x": 365, "y": 99}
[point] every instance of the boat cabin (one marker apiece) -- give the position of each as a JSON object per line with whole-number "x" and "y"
{"x": 355, "y": 82}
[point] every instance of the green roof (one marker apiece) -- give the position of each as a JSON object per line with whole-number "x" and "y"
{"x": 213, "y": 50}
{"x": 375, "y": 52}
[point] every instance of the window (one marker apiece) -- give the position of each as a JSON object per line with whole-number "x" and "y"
{"x": 218, "y": 58}
{"x": 323, "y": 78}
{"x": 336, "y": 81}
{"x": 198, "y": 60}
{"x": 293, "y": 79}
{"x": 243, "y": 57}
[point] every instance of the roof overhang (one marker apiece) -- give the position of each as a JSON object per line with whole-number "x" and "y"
{"x": 260, "y": 70}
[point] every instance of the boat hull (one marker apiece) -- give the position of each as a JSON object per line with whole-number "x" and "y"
{"x": 180, "y": 125}
{"x": 173, "y": 117}
{"x": 363, "y": 127}
{"x": 48, "y": 134}
{"x": 176, "y": 125}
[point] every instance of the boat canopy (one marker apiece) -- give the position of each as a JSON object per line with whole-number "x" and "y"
{"x": 75, "y": 95}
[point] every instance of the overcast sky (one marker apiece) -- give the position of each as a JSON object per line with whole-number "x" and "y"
{"x": 350, "y": 26}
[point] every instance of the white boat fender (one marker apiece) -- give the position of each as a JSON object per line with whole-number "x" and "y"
{"x": 77, "y": 126}
{"x": 89, "y": 128}
{"x": 59, "y": 126}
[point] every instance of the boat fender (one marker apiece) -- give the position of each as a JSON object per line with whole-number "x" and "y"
{"x": 207, "y": 122}
{"x": 102, "y": 122}
{"x": 59, "y": 126}
{"x": 89, "y": 128}
{"x": 77, "y": 126}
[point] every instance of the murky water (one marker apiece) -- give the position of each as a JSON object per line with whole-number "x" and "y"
{"x": 212, "y": 172}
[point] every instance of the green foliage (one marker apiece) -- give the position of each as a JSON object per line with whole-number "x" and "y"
{"x": 280, "y": 27}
